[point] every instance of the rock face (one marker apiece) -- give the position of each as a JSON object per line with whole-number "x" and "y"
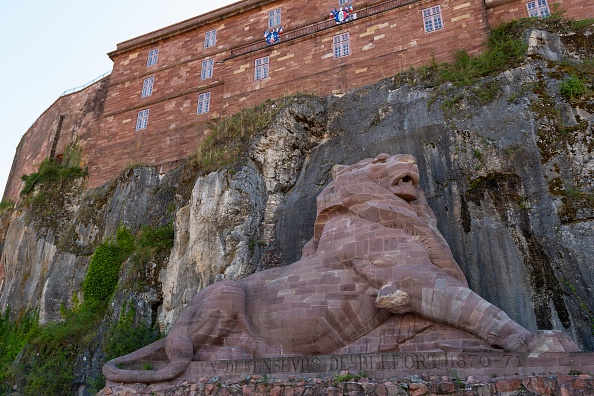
{"x": 216, "y": 237}
{"x": 509, "y": 178}
{"x": 45, "y": 260}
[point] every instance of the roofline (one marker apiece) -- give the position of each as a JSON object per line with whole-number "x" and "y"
{"x": 188, "y": 24}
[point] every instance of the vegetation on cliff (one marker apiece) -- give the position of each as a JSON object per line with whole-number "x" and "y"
{"x": 104, "y": 268}
{"x": 40, "y": 359}
{"x": 6, "y": 205}
{"x": 230, "y": 138}
{"x": 50, "y": 193}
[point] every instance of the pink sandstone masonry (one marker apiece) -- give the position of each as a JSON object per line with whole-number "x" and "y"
{"x": 384, "y": 38}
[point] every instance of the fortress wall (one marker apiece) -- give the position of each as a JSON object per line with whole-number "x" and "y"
{"x": 500, "y": 11}
{"x": 384, "y": 45}
{"x": 381, "y": 46}
{"x": 79, "y": 112}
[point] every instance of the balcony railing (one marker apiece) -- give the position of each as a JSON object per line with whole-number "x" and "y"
{"x": 319, "y": 26}
{"x": 80, "y": 88}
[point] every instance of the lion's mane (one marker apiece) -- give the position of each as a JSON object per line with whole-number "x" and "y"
{"x": 355, "y": 191}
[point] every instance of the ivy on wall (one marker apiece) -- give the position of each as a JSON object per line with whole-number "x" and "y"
{"x": 102, "y": 277}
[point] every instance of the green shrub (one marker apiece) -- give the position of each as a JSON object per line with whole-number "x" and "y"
{"x": 102, "y": 277}
{"x": 128, "y": 336}
{"x": 48, "y": 353}
{"x": 51, "y": 374}
{"x": 50, "y": 193}
{"x": 50, "y": 356}
{"x": 6, "y": 204}
{"x": 157, "y": 238}
{"x": 13, "y": 338}
{"x": 72, "y": 156}
{"x": 340, "y": 378}
{"x": 572, "y": 87}
{"x": 50, "y": 171}
{"x": 505, "y": 50}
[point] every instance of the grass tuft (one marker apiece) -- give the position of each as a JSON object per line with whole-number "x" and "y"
{"x": 229, "y": 138}
{"x": 573, "y": 87}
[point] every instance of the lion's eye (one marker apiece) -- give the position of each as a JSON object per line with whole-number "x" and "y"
{"x": 406, "y": 179}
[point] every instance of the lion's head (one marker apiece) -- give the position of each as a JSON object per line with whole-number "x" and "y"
{"x": 386, "y": 190}
{"x": 391, "y": 179}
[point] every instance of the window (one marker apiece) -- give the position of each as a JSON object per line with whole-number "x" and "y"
{"x": 432, "y": 19}
{"x": 345, "y": 3}
{"x": 274, "y": 18}
{"x": 261, "y": 71}
{"x": 152, "y": 57}
{"x": 207, "y": 69}
{"x": 210, "y": 39}
{"x": 203, "y": 103}
{"x": 341, "y": 45}
{"x": 142, "y": 120}
{"x": 538, "y": 8}
{"x": 147, "y": 86}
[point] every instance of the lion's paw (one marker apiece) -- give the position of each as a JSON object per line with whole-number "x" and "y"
{"x": 393, "y": 299}
{"x": 544, "y": 341}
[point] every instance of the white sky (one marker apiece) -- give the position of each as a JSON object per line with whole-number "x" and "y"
{"x": 47, "y": 47}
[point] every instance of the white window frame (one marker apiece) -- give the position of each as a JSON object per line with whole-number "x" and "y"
{"x": 203, "y": 103}
{"x": 345, "y": 3}
{"x": 261, "y": 68}
{"x": 147, "y": 87}
{"x": 274, "y": 18}
{"x": 538, "y": 8}
{"x": 341, "y": 45}
{"x": 210, "y": 38}
{"x": 153, "y": 57}
{"x": 432, "y": 19}
{"x": 207, "y": 67}
{"x": 142, "y": 119}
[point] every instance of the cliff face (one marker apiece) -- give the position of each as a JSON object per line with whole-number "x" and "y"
{"x": 508, "y": 175}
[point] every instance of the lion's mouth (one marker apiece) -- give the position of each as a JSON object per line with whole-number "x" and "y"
{"x": 405, "y": 187}
{"x": 405, "y": 179}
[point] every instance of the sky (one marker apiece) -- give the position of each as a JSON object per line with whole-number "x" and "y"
{"x": 48, "y": 47}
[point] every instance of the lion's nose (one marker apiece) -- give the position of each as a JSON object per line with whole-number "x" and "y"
{"x": 409, "y": 159}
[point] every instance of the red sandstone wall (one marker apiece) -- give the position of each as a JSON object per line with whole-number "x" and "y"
{"x": 81, "y": 113}
{"x": 381, "y": 46}
{"x": 500, "y": 11}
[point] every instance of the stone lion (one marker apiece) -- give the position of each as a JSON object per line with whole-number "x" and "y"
{"x": 376, "y": 261}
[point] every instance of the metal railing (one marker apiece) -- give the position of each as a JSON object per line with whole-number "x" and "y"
{"x": 80, "y": 88}
{"x": 319, "y": 26}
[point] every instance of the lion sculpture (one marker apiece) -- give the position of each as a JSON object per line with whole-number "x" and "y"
{"x": 376, "y": 261}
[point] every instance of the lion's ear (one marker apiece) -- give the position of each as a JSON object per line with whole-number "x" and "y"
{"x": 380, "y": 158}
{"x": 337, "y": 169}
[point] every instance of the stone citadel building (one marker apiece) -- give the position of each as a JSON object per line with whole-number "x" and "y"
{"x": 167, "y": 85}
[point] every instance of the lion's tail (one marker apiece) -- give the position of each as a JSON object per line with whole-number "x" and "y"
{"x": 173, "y": 369}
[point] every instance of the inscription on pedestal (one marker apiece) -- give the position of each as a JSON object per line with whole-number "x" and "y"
{"x": 360, "y": 363}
